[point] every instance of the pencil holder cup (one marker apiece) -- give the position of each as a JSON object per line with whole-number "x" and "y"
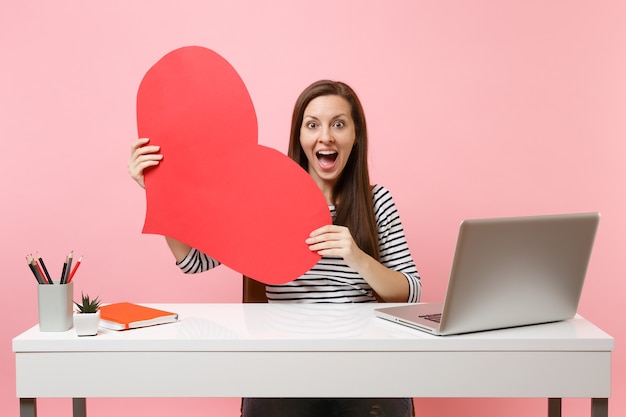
{"x": 55, "y": 307}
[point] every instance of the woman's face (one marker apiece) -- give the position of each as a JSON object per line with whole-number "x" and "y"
{"x": 327, "y": 136}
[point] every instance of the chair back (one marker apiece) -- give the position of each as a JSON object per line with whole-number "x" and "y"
{"x": 253, "y": 291}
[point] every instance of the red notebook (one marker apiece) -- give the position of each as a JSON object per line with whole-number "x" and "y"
{"x": 122, "y": 316}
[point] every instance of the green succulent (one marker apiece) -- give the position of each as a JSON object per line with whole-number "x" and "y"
{"x": 88, "y": 305}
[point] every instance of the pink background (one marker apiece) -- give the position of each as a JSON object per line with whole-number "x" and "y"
{"x": 475, "y": 108}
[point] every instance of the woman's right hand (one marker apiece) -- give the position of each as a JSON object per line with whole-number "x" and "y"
{"x": 142, "y": 156}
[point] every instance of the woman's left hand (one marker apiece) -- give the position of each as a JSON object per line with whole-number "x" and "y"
{"x": 332, "y": 240}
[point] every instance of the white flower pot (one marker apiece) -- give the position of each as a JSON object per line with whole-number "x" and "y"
{"x": 86, "y": 324}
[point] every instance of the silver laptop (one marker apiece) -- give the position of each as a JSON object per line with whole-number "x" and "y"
{"x": 509, "y": 272}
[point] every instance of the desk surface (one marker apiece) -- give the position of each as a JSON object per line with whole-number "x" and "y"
{"x": 226, "y": 350}
{"x": 287, "y": 327}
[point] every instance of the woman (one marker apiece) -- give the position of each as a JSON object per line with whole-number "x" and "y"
{"x": 364, "y": 252}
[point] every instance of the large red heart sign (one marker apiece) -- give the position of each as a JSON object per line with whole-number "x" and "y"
{"x": 216, "y": 189}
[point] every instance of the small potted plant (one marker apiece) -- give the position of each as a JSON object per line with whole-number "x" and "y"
{"x": 87, "y": 316}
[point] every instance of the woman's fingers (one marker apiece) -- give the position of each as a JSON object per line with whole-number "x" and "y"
{"x": 142, "y": 156}
{"x": 330, "y": 238}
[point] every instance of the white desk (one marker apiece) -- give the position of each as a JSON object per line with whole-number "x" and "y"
{"x": 270, "y": 350}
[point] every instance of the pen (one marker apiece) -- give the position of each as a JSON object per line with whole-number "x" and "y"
{"x": 74, "y": 270}
{"x": 45, "y": 270}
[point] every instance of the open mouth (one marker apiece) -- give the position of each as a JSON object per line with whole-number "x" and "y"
{"x": 326, "y": 158}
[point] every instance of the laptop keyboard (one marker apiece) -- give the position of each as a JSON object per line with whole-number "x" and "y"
{"x": 432, "y": 317}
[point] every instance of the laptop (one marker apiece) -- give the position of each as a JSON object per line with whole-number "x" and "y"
{"x": 508, "y": 272}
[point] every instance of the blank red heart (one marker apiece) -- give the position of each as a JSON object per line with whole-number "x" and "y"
{"x": 216, "y": 189}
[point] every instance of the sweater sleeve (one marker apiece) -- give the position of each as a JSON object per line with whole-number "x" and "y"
{"x": 196, "y": 262}
{"x": 394, "y": 249}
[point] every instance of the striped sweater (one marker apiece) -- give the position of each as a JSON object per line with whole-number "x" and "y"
{"x": 331, "y": 280}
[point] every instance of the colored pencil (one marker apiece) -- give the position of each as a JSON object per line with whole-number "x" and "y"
{"x": 39, "y": 270}
{"x": 33, "y": 268}
{"x": 44, "y": 272}
{"x": 69, "y": 267}
{"x": 74, "y": 269}
{"x": 63, "y": 271}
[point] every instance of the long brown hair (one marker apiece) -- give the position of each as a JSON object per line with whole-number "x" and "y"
{"x": 352, "y": 194}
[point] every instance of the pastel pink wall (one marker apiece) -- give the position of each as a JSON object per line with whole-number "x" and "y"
{"x": 475, "y": 109}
